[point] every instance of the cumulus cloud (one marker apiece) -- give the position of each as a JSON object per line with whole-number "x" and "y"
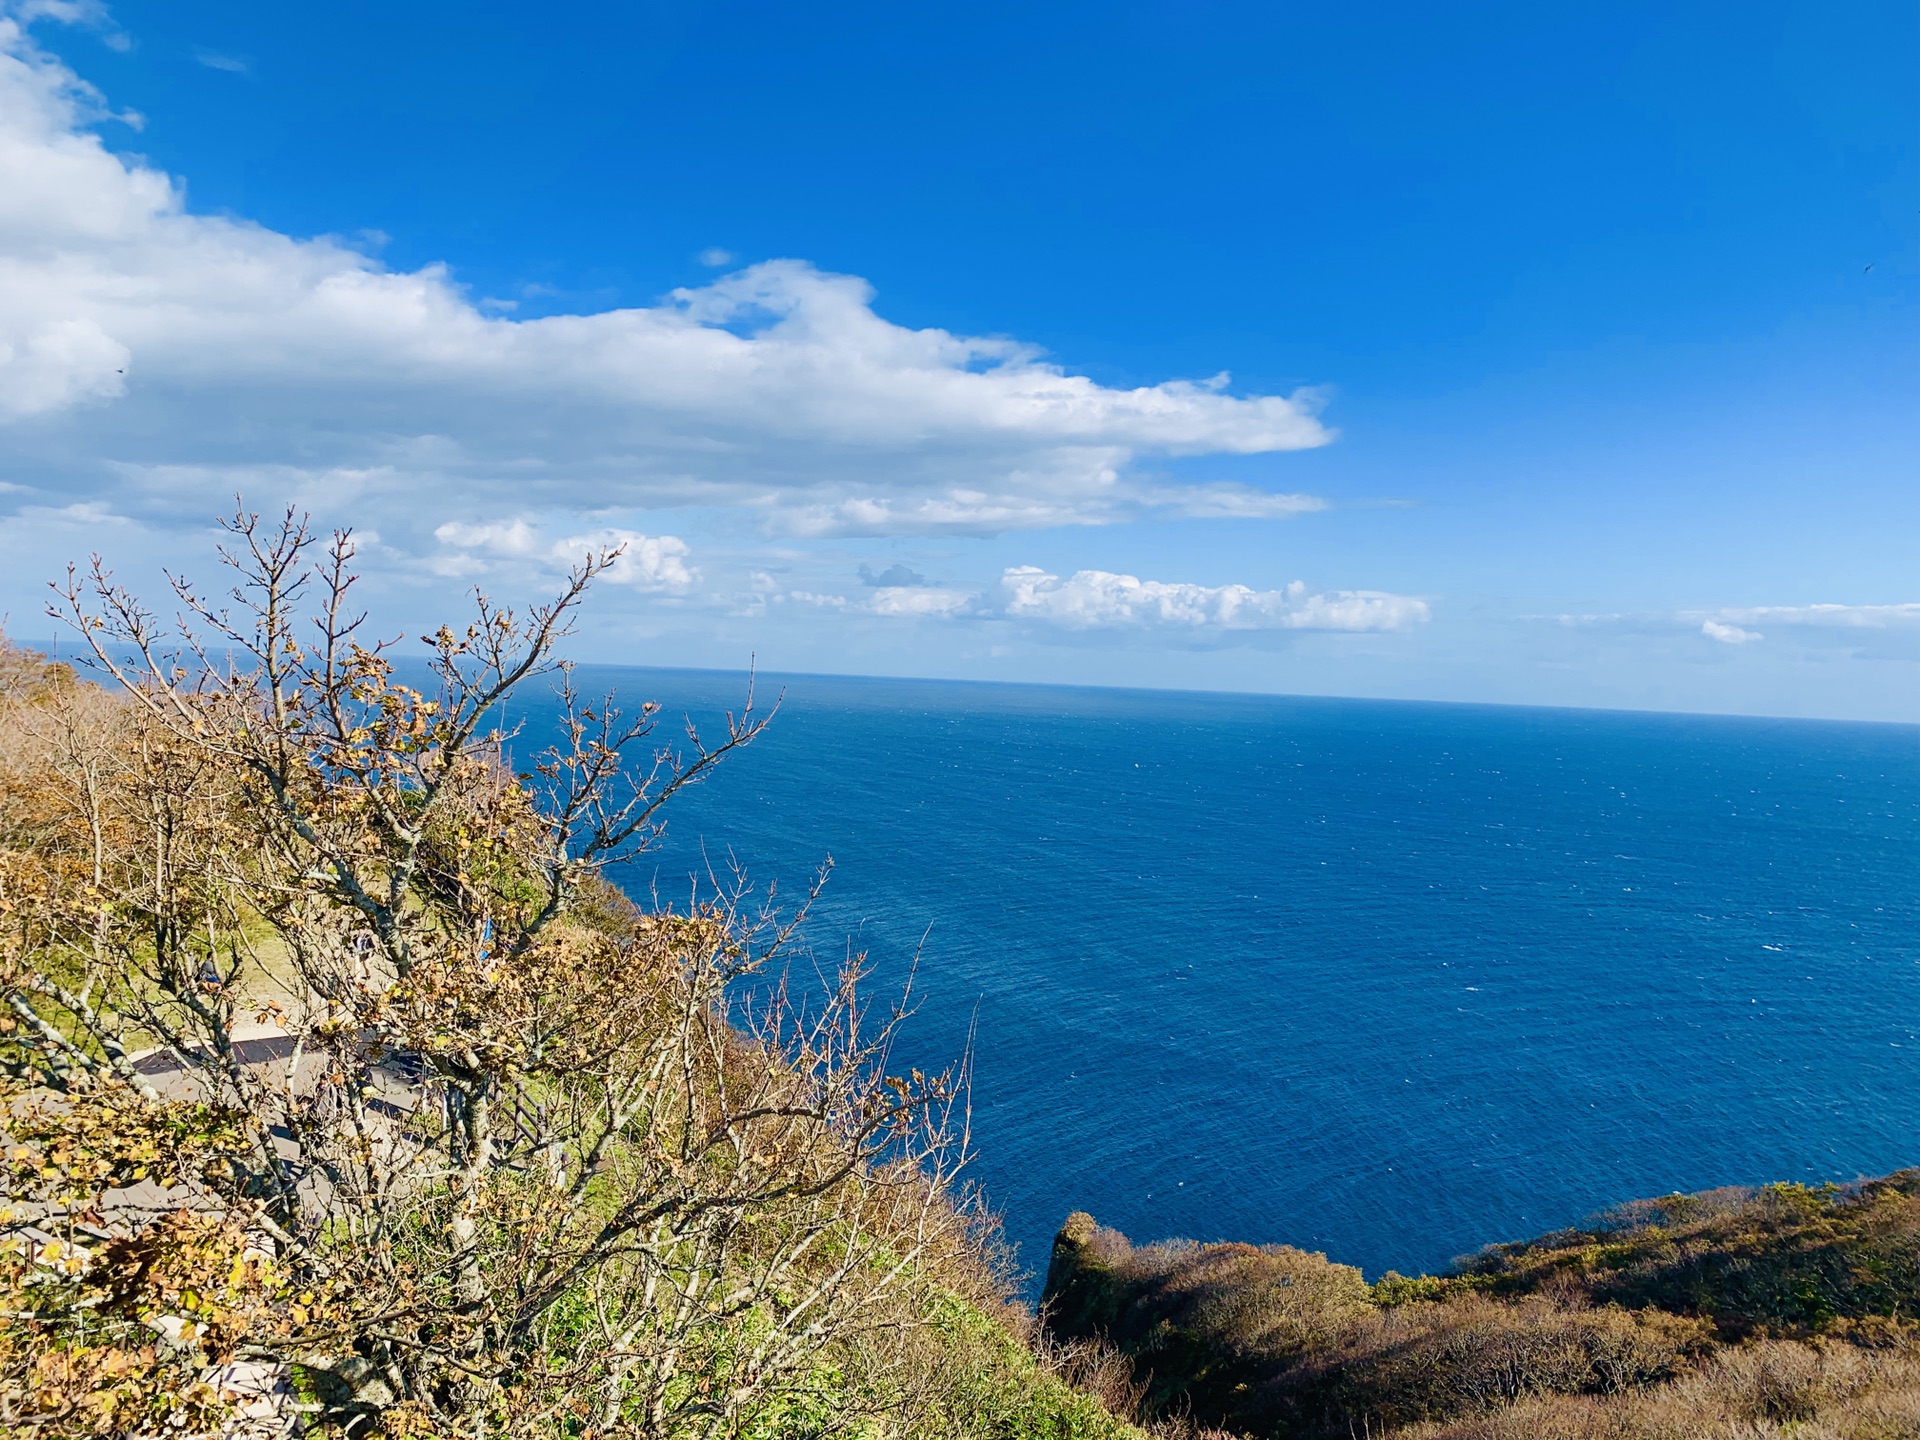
{"x": 895, "y": 600}
{"x": 136, "y": 332}
{"x": 645, "y": 562}
{"x": 1729, "y": 634}
{"x": 919, "y": 600}
{"x": 1103, "y": 600}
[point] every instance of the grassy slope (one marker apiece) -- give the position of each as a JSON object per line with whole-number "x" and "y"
{"x": 996, "y": 1390}
{"x": 1782, "y": 1260}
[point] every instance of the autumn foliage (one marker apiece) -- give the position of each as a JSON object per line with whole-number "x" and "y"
{"x": 340, "y": 1087}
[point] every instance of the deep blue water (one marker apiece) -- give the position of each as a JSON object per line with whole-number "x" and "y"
{"x": 1389, "y": 980}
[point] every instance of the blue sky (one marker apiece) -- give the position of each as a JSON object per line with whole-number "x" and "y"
{"x": 1570, "y": 351}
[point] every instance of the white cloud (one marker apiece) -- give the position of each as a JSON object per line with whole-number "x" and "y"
{"x": 714, "y": 257}
{"x": 1838, "y": 617}
{"x": 961, "y": 511}
{"x": 86, "y": 514}
{"x": 921, "y": 600}
{"x": 91, "y": 14}
{"x": 1574, "y": 621}
{"x": 501, "y": 537}
{"x": 1101, "y": 600}
{"x": 57, "y": 364}
{"x": 215, "y": 60}
{"x": 1098, "y": 494}
{"x": 1729, "y": 634}
{"x": 894, "y": 600}
{"x": 247, "y": 354}
{"x": 1230, "y": 502}
{"x": 1738, "y": 624}
{"x": 646, "y": 562}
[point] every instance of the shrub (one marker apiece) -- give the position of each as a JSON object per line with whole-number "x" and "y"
{"x": 1783, "y": 1259}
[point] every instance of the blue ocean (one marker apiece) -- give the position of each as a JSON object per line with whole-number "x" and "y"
{"x": 1387, "y": 980}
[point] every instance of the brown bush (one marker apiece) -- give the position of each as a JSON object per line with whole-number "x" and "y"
{"x": 1273, "y": 1340}
{"x": 1472, "y": 1354}
{"x": 1821, "y": 1391}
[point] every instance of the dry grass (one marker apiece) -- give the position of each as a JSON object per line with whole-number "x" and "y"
{"x": 1738, "y": 1313}
{"x": 1818, "y": 1391}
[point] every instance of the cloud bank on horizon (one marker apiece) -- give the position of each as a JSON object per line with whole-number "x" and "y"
{"x": 1104, "y": 600}
{"x": 1819, "y": 626}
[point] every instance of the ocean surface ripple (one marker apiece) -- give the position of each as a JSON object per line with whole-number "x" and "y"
{"x": 1387, "y": 980}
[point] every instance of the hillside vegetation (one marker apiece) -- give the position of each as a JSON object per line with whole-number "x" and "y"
{"x": 1735, "y": 1313}
{"x": 338, "y": 1085}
